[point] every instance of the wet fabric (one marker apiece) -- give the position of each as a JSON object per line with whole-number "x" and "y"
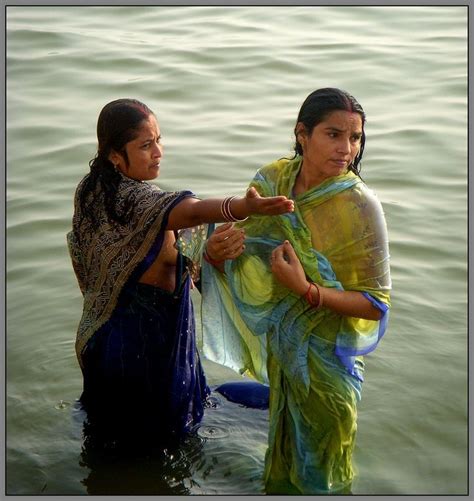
{"x": 135, "y": 342}
{"x": 247, "y": 393}
{"x": 142, "y": 372}
{"x": 104, "y": 258}
{"x": 311, "y": 358}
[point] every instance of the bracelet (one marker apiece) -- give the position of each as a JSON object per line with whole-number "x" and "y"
{"x": 210, "y": 260}
{"x": 227, "y": 213}
{"x": 309, "y": 297}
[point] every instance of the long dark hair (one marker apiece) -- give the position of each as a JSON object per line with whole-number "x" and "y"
{"x": 118, "y": 123}
{"x": 318, "y": 105}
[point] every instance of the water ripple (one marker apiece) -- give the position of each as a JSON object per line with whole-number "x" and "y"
{"x": 226, "y": 84}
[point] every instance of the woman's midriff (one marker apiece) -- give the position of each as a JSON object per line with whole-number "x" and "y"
{"x": 162, "y": 272}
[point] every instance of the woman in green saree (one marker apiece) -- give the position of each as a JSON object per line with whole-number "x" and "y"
{"x": 307, "y": 298}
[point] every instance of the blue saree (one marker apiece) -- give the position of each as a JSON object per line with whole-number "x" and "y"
{"x": 142, "y": 371}
{"x": 136, "y": 345}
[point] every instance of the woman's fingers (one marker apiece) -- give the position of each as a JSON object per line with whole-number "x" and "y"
{"x": 227, "y": 235}
{"x": 290, "y": 252}
{"x": 230, "y": 234}
{"x": 233, "y": 243}
{"x": 235, "y": 252}
{"x": 277, "y": 205}
{"x": 224, "y": 231}
{"x": 226, "y": 242}
{"x": 284, "y": 256}
{"x": 232, "y": 251}
{"x": 277, "y": 255}
{"x": 287, "y": 269}
{"x": 222, "y": 228}
{"x": 270, "y": 206}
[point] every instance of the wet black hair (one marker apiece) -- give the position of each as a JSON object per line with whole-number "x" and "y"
{"x": 119, "y": 122}
{"x": 318, "y": 105}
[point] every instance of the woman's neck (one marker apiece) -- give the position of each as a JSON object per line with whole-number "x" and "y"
{"x": 307, "y": 179}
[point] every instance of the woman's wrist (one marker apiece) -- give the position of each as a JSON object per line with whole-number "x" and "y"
{"x": 303, "y": 289}
{"x": 235, "y": 209}
{"x": 210, "y": 259}
{"x": 316, "y": 302}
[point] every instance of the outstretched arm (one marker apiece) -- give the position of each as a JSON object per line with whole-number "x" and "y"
{"x": 288, "y": 270}
{"x": 192, "y": 211}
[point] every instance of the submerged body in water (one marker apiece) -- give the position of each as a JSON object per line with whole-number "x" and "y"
{"x": 142, "y": 372}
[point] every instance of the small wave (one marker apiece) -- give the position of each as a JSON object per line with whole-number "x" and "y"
{"x": 212, "y": 432}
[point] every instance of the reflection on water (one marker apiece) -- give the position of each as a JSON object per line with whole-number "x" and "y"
{"x": 226, "y": 84}
{"x": 132, "y": 464}
{"x": 223, "y": 455}
{"x": 156, "y": 472}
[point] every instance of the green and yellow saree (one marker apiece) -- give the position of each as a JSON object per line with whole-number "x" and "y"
{"x": 311, "y": 358}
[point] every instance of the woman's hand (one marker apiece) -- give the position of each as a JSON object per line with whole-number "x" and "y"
{"x": 287, "y": 269}
{"x": 226, "y": 242}
{"x": 253, "y": 203}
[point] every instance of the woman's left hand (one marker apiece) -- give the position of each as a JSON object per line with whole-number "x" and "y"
{"x": 287, "y": 269}
{"x": 226, "y": 242}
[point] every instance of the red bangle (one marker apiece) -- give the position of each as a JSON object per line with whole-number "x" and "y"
{"x": 210, "y": 260}
{"x": 309, "y": 297}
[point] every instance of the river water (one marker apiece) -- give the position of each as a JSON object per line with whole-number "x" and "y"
{"x": 226, "y": 84}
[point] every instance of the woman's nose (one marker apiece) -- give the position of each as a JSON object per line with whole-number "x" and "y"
{"x": 344, "y": 146}
{"x": 157, "y": 151}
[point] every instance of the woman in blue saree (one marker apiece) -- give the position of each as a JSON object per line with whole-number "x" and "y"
{"x": 136, "y": 339}
{"x": 307, "y": 298}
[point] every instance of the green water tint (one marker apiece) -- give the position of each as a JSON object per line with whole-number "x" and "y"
{"x": 211, "y": 432}
{"x": 62, "y": 405}
{"x": 226, "y": 84}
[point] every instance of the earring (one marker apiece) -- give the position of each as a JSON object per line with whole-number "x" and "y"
{"x": 302, "y": 145}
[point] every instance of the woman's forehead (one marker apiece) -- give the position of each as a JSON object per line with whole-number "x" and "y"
{"x": 149, "y": 125}
{"x": 344, "y": 119}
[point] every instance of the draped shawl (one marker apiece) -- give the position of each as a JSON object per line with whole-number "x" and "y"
{"x": 105, "y": 257}
{"x": 339, "y": 233}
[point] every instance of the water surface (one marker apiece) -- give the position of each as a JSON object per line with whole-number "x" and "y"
{"x": 226, "y": 84}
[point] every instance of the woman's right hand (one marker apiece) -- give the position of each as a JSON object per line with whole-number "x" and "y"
{"x": 254, "y": 203}
{"x": 287, "y": 268}
{"x": 226, "y": 242}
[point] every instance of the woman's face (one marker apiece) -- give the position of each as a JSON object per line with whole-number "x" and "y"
{"x": 332, "y": 145}
{"x": 144, "y": 153}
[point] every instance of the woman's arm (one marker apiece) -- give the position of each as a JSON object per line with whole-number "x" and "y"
{"x": 192, "y": 211}
{"x": 287, "y": 269}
